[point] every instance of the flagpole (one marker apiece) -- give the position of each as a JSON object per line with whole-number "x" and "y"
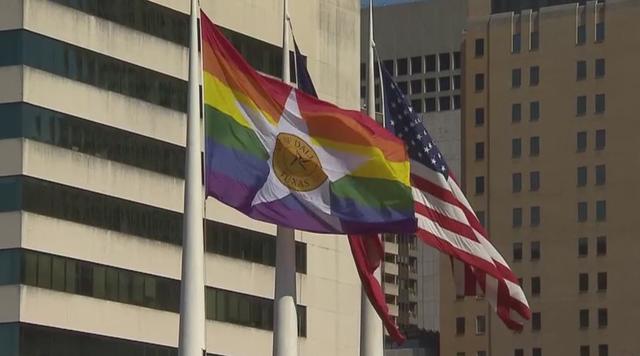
{"x": 371, "y": 331}
{"x": 191, "y": 340}
{"x": 285, "y": 331}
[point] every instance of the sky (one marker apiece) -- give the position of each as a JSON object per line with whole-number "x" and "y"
{"x": 386, "y": 2}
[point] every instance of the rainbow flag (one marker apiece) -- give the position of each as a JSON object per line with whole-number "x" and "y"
{"x": 281, "y": 156}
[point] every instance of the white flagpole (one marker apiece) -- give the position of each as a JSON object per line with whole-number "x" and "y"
{"x": 371, "y": 331}
{"x": 285, "y": 331}
{"x": 192, "y": 313}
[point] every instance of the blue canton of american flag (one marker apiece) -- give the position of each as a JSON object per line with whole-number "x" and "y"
{"x": 446, "y": 221}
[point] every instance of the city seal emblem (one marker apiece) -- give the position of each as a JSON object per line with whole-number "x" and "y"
{"x": 296, "y": 164}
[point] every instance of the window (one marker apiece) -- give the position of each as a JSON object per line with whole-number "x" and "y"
{"x": 601, "y": 245}
{"x": 479, "y": 185}
{"x": 517, "y": 251}
{"x": 534, "y": 181}
{"x": 536, "y": 321}
{"x": 581, "y": 176}
{"x": 534, "y": 76}
{"x": 479, "y": 116}
{"x": 481, "y": 353}
{"x": 456, "y": 60}
{"x": 404, "y": 88}
{"x": 602, "y": 281}
{"x": 444, "y": 83}
{"x": 603, "y": 318}
{"x": 516, "y": 148}
{"x": 456, "y": 82}
{"x": 534, "y": 111}
{"x": 456, "y": 102}
{"x": 601, "y": 174}
{"x": 583, "y": 282}
{"x": 601, "y": 139}
{"x": 583, "y": 247}
{"x": 535, "y": 250}
{"x": 581, "y": 141}
{"x": 516, "y": 112}
{"x": 601, "y": 210}
{"x": 430, "y": 63}
{"x": 460, "y": 326}
{"x": 536, "y": 351}
{"x": 581, "y": 105}
{"x": 416, "y": 86}
{"x": 584, "y": 318}
{"x": 535, "y": 286}
{"x": 518, "y": 352}
{"x": 516, "y": 43}
{"x": 479, "y": 151}
{"x": 600, "y": 103}
{"x": 479, "y": 47}
{"x": 388, "y": 66}
{"x": 402, "y": 66}
{"x": 581, "y": 35}
{"x": 603, "y": 350}
{"x": 600, "y": 68}
{"x": 445, "y": 103}
{"x": 516, "y": 182}
{"x": 430, "y": 105}
{"x": 584, "y": 350}
{"x": 600, "y": 32}
{"x": 535, "y": 40}
{"x": 535, "y": 216}
{"x": 480, "y": 324}
{"x": 516, "y": 78}
{"x": 444, "y": 60}
{"x": 363, "y": 72}
{"x": 581, "y": 70}
{"x": 460, "y": 354}
{"x": 430, "y": 85}
{"x": 416, "y": 65}
{"x": 479, "y": 82}
{"x": 582, "y": 211}
{"x": 534, "y": 146}
{"x": 516, "y": 217}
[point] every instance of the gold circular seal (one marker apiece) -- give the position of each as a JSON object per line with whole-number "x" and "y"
{"x": 296, "y": 164}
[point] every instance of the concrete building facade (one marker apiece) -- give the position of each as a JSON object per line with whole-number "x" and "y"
{"x": 549, "y": 157}
{"x": 92, "y": 127}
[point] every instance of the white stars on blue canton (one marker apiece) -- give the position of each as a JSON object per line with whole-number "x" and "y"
{"x": 407, "y": 125}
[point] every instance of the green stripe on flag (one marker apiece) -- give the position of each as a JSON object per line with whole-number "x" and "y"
{"x": 373, "y": 192}
{"x": 226, "y": 131}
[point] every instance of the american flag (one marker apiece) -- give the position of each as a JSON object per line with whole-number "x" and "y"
{"x": 446, "y": 221}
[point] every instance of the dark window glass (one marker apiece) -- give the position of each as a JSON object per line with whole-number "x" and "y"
{"x": 516, "y": 148}
{"x": 516, "y": 78}
{"x": 535, "y": 216}
{"x": 430, "y": 63}
{"x": 601, "y": 245}
{"x": 456, "y": 102}
{"x": 536, "y": 321}
{"x": 481, "y": 217}
{"x": 581, "y": 176}
{"x": 581, "y": 70}
{"x": 460, "y": 326}
{"x": 416, "y": 86}
{"x": 534, "y": 111}
{"x": 600, "y": 68}
{"x": 535, "y": 40}
{"x": 600, "y": 103}
{"x": 416, "y": 104}
{"x": 601, "y": 174}
{"x": 456, "y": 60}
{"x": 582, "y": 211}
{"x": 536, "y": 351}
{"x": 583, "y": 247}
{"x": 516, "y": 43}
{"x": 581, "y": 36}
{"x": 603, "y": 318}
{"x": 479, "y": 82}
{"x": 479, "y": 185}
{"x": 404, "y": 88}
{"x": 581, "y": 141}
{"x": 535, "y": 286}
{"x": 584, "y": 318}
{"x": 535, "y": 250}
{"x": 600, "y": 32}
{"x": 416, "y": 65}
{"x": 583, "y": 282}
{"x": 479, "y": 151}
{"x": 534, "y": 181}
{"x": 430, "y": 85}
{"x": 479, "y": 116}
{"x": 481, "y": 327}
{"x": 363, "y": 72}
{"x": 456, "y": 82}
{"x": 388, "y": 66}
{"x": 601, "y": 210}
{"x": 603, "y": 350}
{"x": 479, "y": 47}
{"x": 444, "y": 83}
{"x": 430, "y": 105}
{"x": 601, "y": 139}
{"x": 534, "y": 146}
{"x": 516, "y": 112}
{"x": 402, "y": 66}
{"x": 518, "y": 352}
{"x": 516, "y": 219}
{"x": 534, "y": 76}
{"x": 10, "y": 268}
{"x": 581, "y": 105}
{"x": 602, "y": 281}
{"x": 584, "y": 350}
{"x": 445, "y": 103}
{"x": 517, "y": 251}
{"x": 444, "y": 59}
{"x": 516, "y": 182}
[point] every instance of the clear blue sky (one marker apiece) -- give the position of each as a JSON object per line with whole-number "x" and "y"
{"x": 386, "y": 2}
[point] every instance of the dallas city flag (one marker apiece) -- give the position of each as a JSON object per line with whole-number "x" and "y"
{"x": 284, "y": 157}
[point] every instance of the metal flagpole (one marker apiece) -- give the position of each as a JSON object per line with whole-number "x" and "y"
{"x": 285, "y": 331}
{"x": 192, "y": 315}
{"x": 371, "y": 331}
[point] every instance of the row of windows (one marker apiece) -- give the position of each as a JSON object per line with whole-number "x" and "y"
{"x": 603, "y": 350}
{"x": 583, "y": 282}
{"x": 102, "y": 211}
{"x": 534, "y": 77}
{"x": 603, "y": 318}
{"x": 600, "y": 140}
{"x": 583, "y": 246}
{"x": 534, "y": 111}
{"x": 80, "y": 64}
{"x": 43, "y": 125}
{"x": 599, "y": 69}
{"x": 129, "y": 287}
{"x": 498, "y": 6}
{"x": 600, "y": 175}
{"x": 601, "y": 211}
{"x": 20, "y": 339}
{"x": 534, "y": 147}
{"x": 581, "y": 104}
{"x": 534, "y": 251}
{"x": 418, "y": 65}
{"x": 431, "y": 85}
{"x": 534, "y": 216}
{"x": 443, "y": 103}
{"x": 534, "y": 182}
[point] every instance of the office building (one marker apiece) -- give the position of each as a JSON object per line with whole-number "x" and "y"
{"x": 549, "y": 163}
{"x": 93, "y": 98}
